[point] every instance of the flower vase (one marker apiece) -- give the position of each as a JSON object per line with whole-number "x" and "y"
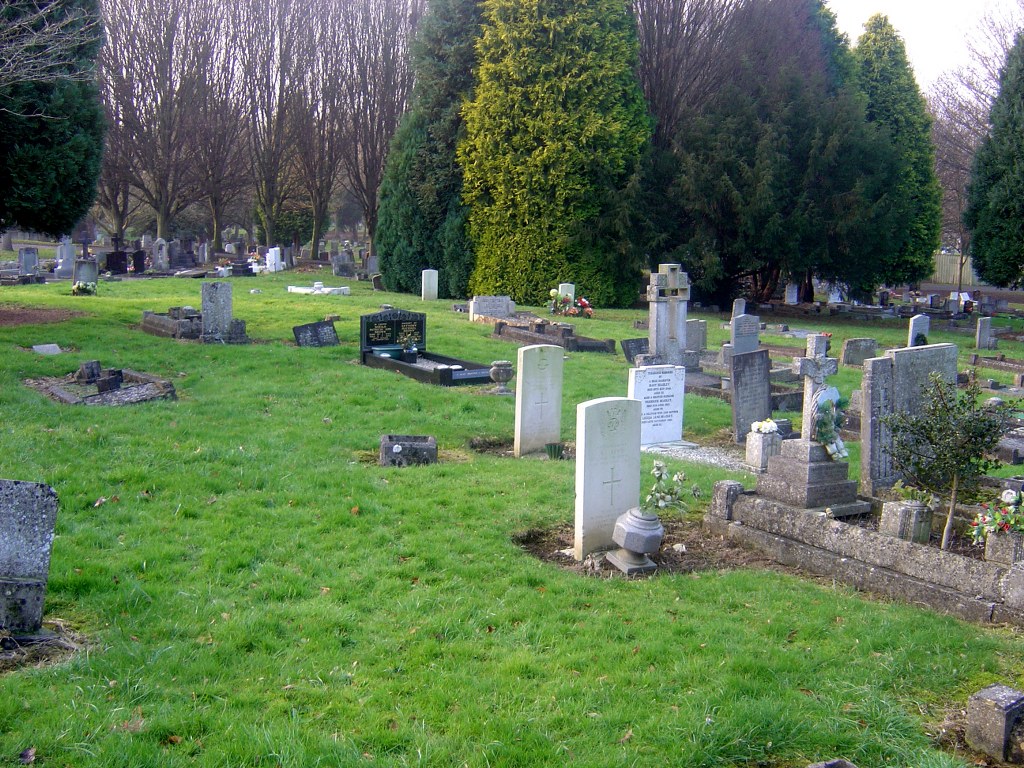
{"x": 1004, "y": 547}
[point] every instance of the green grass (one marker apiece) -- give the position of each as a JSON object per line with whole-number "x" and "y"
{"x": 257, "y": 592}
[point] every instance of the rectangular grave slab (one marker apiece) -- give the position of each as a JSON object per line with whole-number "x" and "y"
{"x": 321, "y": 334}
{"x": 407, "y": 450}
{"x": 28, "y": 514}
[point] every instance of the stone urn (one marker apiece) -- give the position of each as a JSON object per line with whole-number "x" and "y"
{"x": 1004, "y": 548}
{"x": 638, "y": 533}
{"x": 501, "y": 374}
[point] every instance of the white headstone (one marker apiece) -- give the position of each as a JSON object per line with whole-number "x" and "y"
{"x": 983, "y": 337}
{"x": 538, "y": 397}
{"x": 229, "y": 248}
{"x": 428, "y": 290}
{"x": 739, "y": 307}
{"x": 659, "y": 388}
{"x": 567, "y": 289}
{"x": 745, "y": 333}
{"x": 607, "y": 469}
{"x": 146, "y": 241}
{"x": 161, "y": 258}
{"x": 792, "y": 293}
{"x": 274, "y": 263}
{"x": 919, "y": 325}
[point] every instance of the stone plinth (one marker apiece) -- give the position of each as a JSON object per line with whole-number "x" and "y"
{"x": 803, "y": 476}
{"x": 907, "y": 520}
{"x": 991, "y": 715}
{"x": 762, "y": 446}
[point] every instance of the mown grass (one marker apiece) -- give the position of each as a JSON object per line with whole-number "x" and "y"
{"x": 257, "y": 591}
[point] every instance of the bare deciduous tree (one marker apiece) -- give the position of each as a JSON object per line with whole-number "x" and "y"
{"x": 377, "y": 85}
{"x": 39, "y": 42}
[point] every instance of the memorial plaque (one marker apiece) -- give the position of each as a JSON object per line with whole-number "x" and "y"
{"x": 320, "y": 334}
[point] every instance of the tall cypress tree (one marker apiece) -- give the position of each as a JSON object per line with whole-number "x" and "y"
{"x": 554, "y": 131}
{"x": 422, "y": 220}
{"x": 51, "y": 136}
{"x": 896, "y": 103}
{"x": 995, "y": 197}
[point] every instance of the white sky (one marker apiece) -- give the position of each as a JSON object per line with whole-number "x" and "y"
{"x": 934, "y": 30}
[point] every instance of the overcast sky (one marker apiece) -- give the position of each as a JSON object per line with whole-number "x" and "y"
{"x": 933, "y": 30}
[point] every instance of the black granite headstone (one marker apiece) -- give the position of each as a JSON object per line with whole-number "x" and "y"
{"x": 382, "y": 329}
{"x": 633, "y": 347}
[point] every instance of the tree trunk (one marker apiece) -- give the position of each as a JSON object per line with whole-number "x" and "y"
{"x": 947, "y": 532}
{"x": 807, "y": 288}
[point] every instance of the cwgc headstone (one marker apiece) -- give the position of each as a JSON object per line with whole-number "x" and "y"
{"x": 607, "y": 469}
{"x": 696, "y": 335}
{"x": 491, "y": 306}
{"x": 217, "y": 311}
{"x": 659, "y": 388}
{"x": 28, "y": 261}
{"x": 428, "y": 285}
{"x": 856, "y": 351}
{"x": 567, "y": 289}
{"x": 274, "y": 261}
{"x": 745, "y": 333}
{"x": 983, "y": 336}
{"x": 321, "y": 334}
{"x": 28, "y": 514}
{"x": 631, "y": 348}
{"x": 920, "y": 325}
{"x": 751, "y": 391}
{"x": 792, "y": 293}
{"x": 538, "y": 397}
{"x": 667, "y": 295}
{"x": 896, "y": 382}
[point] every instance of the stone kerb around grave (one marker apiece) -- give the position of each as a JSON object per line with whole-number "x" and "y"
{"x": 607, "y": 469}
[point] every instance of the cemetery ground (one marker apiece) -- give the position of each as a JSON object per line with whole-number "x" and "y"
{"x": 249, "y": 588}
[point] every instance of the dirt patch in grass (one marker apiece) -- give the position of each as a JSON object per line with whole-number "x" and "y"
{"x": 56, "y": 643}
{"x": 12, "y": 316}
{"x": 686, "y": 548}
{"x": 505, "y": 447}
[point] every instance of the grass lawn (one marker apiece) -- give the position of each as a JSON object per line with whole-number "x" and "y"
{"x": 255, "y": 591}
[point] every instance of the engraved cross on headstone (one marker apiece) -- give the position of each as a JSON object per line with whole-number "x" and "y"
{"x": 610, "y": 484}
{"x": 813, "y": 368}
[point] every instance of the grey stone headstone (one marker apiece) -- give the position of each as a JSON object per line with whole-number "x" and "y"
{"x": 407, "y": 450}
{"x": 792, "y": 293}
{"x": 28, "y": 261}
{"x": 696, "y": 335}
{"x": 46, "y": 349}
{"x": 321, "y": 334}
{"x": 739, "y": 307}
{"x": 491, "y": 306}
{"x": 856, "y": 351}
{"x": 633, "y": 347}
{"x": 28, "y": 514}
{"x": 751, "y": 391}
{"x": 217, "y": 311}
{"x": 983, "y": 336}
{"x": 745, "y": 333}
{"x": 992, "y": 714}
{"x": 920, "y": 325}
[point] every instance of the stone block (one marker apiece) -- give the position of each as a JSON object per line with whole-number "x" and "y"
{"x": 991, "y": 715}
{"x": 724, "y": 497}
{"x": 21, "y": 604}
{"x": 910, "y": 521}
{"x": 760, "y": 448}
{"x": 28, "y": 514}
{"x": 407, "y": 450}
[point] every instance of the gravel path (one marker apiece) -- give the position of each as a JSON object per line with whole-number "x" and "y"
{"x": 719, "y": 457}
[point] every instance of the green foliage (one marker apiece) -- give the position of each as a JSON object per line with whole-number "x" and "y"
{"x": 779, "y": 175}
{"x": 422, "y": 220}
{"x": 51, "y": 141}
{"x": 995, "y": 197}
{"x": 896, "y": 103}
{"x": 554, "y": 130}
{"x": 291, "y": 226}
{"x": 945, "y": 448}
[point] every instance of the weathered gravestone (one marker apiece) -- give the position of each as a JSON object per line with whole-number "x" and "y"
{"x": 85, "y": 271}
{"x": 745, "y": 333}
{"x": 28, "y": 513}
{"x": 659, "y": 388}
{"x": 696, "y": 335}
{"x": 428, "y": 285}
{"x": 917, "y": 333}
{"x": 607, "y": 469}
{"x": 739, "y": 307}
{"x": 274, "y": 261}
{"x": 219, "y": 327}
{"x": 28, "y": 261}
{"x": 792, "y": 293}
{"x": 633, "y": 347}
{"x": 65, "y": 258}
{"x": 538, "y": 397}
{"x": 322, "y": 334}
{"x": 856, "y": 351}
{"x": 491, "y": 306}
{"x": 751, "y": 391}
{"x": 896, "y": 382}
{"x": 983, "y": 336}
{"x": 667, "y": 296}
{"x": 993, "y": 715}
{"x": 802, "y": 474}
{"x": 407, "y": 450}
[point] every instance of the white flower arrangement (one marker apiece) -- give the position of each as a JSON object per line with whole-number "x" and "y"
{"x": 766, "y": 427}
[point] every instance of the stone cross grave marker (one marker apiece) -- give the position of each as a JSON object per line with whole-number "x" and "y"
{"x": 428, "y": 285}
{"x": 607, "y": 469}
{"x": 667, "y": 295}
{"x": 813, "y": 369}
{"x": 28, "y": 513}
{"x": 538, "y": 397}
{"x": 659, "y": 388}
